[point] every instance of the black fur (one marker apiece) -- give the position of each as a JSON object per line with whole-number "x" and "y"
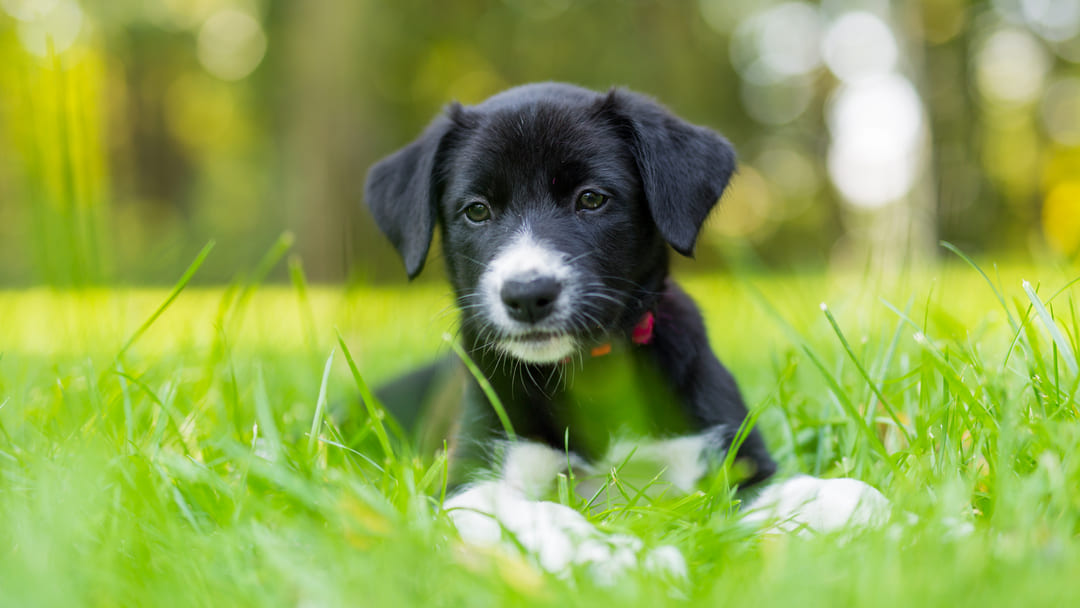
{"x": 527, "y": 154}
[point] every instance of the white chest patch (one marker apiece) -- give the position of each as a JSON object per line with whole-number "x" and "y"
{"x": 680, "y": 461}
{"x": 531, "y": 468}
{"x": 677, "y": 463}
{"x": 507, "y": 511}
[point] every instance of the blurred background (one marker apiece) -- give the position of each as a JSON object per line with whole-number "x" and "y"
{"x": 134, "y": 131}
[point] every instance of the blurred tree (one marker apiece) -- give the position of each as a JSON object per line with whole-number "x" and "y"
{"x": 862, "y": 126}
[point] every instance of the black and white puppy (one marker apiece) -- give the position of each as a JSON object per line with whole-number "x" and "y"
{"x": 557, "y": 208}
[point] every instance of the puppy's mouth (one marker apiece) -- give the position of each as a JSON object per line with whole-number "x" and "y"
{"x": 539, "y": 346}
{"x": 534, "y": 337}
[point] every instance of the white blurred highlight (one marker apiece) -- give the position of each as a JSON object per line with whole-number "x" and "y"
{"x": 231, "y": 44}
{"x": 28, "y": 10}
{"x": 55, "y": 22}
{"x": 859, "y": 45}
{"x": 1011, "y": 67}
{"x": 779, "y": 43}
{"x": 1053, "y": 20}
{"x": 875, "y": 117}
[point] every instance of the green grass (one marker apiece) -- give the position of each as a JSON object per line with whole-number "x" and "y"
{"x": 173, "y": 464}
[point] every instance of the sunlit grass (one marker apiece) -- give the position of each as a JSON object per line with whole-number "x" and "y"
{"x": 183, "y": 470}
{"x": 52, "y": 116}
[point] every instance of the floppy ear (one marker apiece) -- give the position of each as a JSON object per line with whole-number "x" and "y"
{"x": 402, "y": 193}
{"x": 684, "y": 168}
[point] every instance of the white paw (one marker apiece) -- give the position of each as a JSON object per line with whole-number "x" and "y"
{"x": 493, "y": 513}
{"x": 807, "y": 504}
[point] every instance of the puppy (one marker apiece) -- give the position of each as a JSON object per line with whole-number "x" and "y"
{"x": 557, "y": 209}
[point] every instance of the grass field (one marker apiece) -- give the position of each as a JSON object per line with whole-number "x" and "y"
{"x": 196, "y": 460}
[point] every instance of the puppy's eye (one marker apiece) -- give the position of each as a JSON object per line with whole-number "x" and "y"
{"x": 478, "y": 213}
{"x": 591, "y": 199}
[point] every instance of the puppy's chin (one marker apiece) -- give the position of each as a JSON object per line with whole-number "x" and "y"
{"x": 548, "y": 349}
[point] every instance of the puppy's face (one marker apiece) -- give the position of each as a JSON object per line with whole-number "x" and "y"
{"x": 555, "y": 205}
{"x": 546, "y": 231}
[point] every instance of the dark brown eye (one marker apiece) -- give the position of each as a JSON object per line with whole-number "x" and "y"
{"x": 591, "y": 199}
{"x": 478, "y": 213}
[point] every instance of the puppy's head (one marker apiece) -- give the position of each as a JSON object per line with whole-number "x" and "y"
{"x": 556, "y": 206}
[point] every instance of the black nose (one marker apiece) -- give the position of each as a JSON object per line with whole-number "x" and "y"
{"x": 531, "y": 300}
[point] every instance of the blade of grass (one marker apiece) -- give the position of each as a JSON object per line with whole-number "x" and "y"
{"x": 611, "y": 477}
{"x": 1063, "y": 345}
{"x": 358, "y": 453}
{"x": 862, "y": 372}
{"x": 741, "y": 434}
{"x": 376, "y": 411}
{"x": 307, "y": 317}
{"x": 282, "y": 245}
{"x": 3, "y": 431}
{"x": 436, "y": 470}
{"x": 993, "y": 287}
{"x": 320, "y": 405}
{"x": 129, "y": 421}
{"x": 180, "y": 501}
{"x": 167, "y": 413}
{"x": 265, "y": 416}
{"x": 954, "y": 379}
{"x": 890, "y": 353}
{"x": 445, "y": 475}
{"x": 485, "y": 386}
{"x": 177, "y": 288}
{"x": 845, "y": 402}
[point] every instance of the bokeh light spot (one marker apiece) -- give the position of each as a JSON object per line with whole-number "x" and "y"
{"x": 877, "y": 129}
{"x": 231, "y": 44}
{"x": 859, "y": 45}
{"x": 779, "y": 43}
{"x": 1011, "y": 66}
{"x": 28, "y": 10}
{"x": 187, "y": 14}
{"x": 1061, "y": 111}
{"x": 1053, "y": 20}
{"x": 943, "y": 20}
{"x": 60, "y": 26}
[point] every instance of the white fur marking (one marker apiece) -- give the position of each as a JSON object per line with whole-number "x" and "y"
{"x": 682, "y": 459}
{"x": 523, "y": 259}
{"x": 531, "y": 468}
{"x": 805, "y": 504}
{"x": 556, "y": 535}
{"x": 506, "y": 512}
{"x": 551, "y": 350}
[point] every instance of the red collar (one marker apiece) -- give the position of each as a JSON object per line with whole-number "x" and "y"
{"x": 643, "y": 331}
{"x": 642, "y": 334}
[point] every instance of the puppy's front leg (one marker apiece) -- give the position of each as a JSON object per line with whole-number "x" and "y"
{"x": 506, "y": 511}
